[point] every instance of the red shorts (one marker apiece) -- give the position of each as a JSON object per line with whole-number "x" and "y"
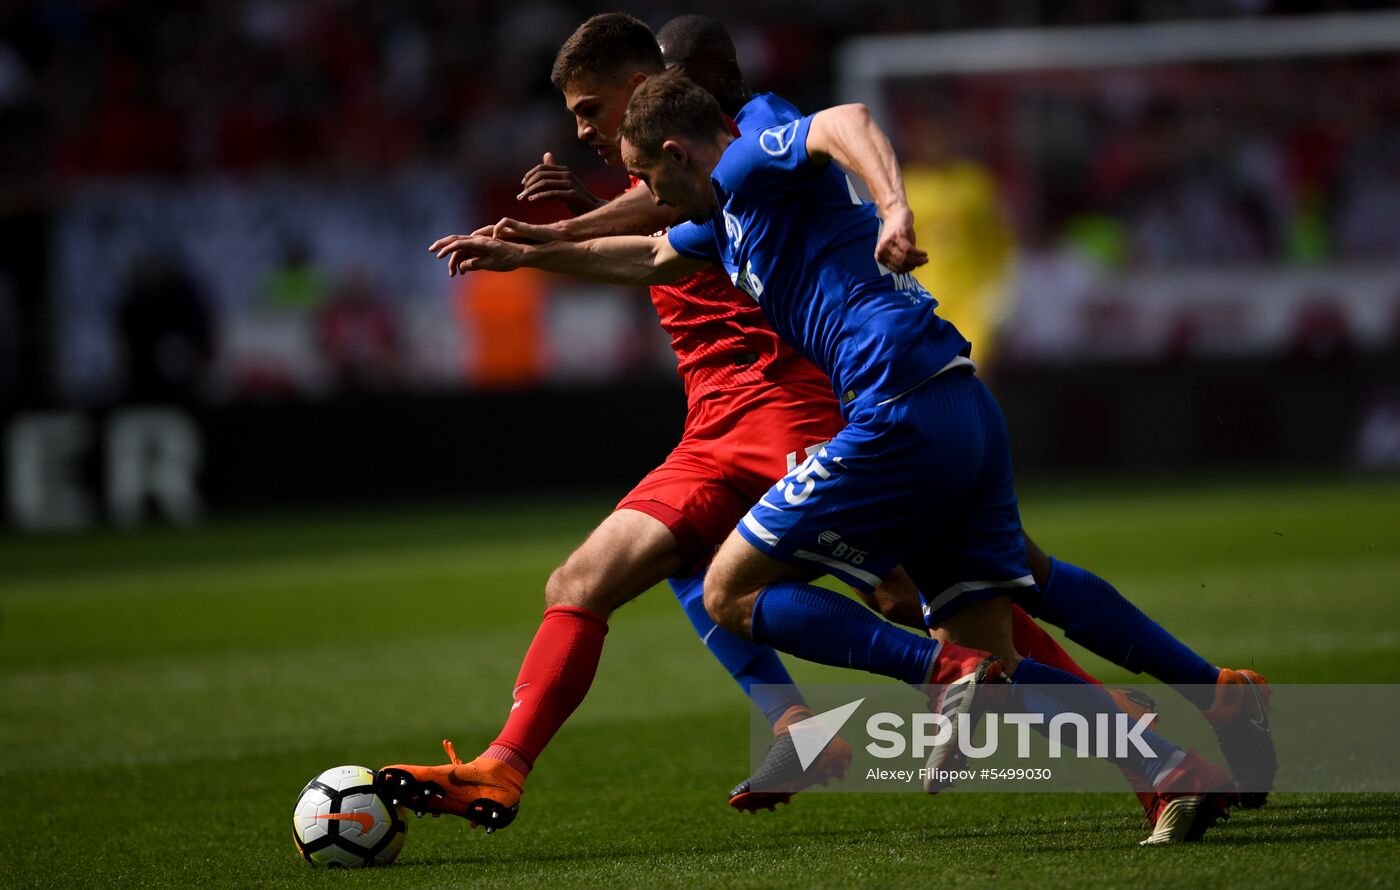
{"x": 737, "y": 443}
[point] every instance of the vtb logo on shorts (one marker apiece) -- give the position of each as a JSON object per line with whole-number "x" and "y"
{"x": 844, "y": 552}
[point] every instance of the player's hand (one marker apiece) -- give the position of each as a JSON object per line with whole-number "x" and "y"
{"x": 522, "y": 233}
{"x": 551, "y": 180}
{"x": 895, "y": 250}
{"x": 472, "y": 253}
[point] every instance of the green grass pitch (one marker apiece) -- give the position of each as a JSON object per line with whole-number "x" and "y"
{"x": 164, "y": 695}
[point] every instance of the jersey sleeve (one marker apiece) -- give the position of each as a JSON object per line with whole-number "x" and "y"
{"x": 695, "y": 240}
{"x": 771, "y": 159}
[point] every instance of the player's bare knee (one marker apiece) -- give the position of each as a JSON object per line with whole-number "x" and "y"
{"x": 723, "y": 604}
{"x": 567, "y": 586}
{"x": 556, "y": 590}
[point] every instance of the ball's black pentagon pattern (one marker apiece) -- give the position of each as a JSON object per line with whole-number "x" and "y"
{"x": 333, "y": 836}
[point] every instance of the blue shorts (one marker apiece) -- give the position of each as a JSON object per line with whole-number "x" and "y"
{"x": 924, "y": 482}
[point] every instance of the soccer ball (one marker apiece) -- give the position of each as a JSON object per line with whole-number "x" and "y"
{"x": 340, "y": 821}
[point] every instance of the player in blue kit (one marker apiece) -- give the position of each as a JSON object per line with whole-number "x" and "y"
{"x": 1090, "y": 609}
{"x": 790, "y": 230}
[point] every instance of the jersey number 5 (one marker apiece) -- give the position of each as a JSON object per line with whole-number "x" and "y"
{"x": 799, "y": 487}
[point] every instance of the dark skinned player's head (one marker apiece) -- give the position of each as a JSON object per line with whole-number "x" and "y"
{"x": 702, "y": 48}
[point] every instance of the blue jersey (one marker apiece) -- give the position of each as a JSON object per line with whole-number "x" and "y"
{"x": 797, "y": 238}
{"x": 765, "y": 110}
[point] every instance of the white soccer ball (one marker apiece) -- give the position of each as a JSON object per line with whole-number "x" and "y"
{"x": 340, "y": 821}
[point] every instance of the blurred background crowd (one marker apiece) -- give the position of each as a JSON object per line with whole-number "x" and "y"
{"x": 215, "y": 203}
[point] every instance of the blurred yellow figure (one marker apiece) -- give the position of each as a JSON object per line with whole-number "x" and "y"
{"x": 959, "y": 220}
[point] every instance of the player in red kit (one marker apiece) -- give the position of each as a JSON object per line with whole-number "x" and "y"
{"x": 755, "y": 408}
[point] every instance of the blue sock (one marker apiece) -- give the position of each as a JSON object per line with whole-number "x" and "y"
{"x": 823, "y": 626}
{"x": 1096, "y": 616}
{"x": 757, "y": 669}
{"x": 1079, "y": 697}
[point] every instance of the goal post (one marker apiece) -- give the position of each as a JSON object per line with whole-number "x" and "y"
{"x": 866, "y": 64}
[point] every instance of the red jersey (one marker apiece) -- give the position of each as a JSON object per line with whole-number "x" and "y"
{"x": 722, "y": 338}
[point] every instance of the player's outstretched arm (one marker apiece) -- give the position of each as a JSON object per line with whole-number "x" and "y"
{"x": 631, "y": 213}
{"x": 625, "y": 259}
{"x": 848, "y": 135}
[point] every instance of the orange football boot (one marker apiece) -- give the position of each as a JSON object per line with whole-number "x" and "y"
{"x": 485, "y": 792}
{"x": 1240, "y": 718}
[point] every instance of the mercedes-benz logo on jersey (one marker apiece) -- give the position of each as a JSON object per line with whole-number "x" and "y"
{"x": 776, "y": 141}
{"x": 732, "y": 228}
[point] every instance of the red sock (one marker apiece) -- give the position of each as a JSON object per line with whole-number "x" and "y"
{"x": 555, "y": 676}
{"x": 1032, "y": 641}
